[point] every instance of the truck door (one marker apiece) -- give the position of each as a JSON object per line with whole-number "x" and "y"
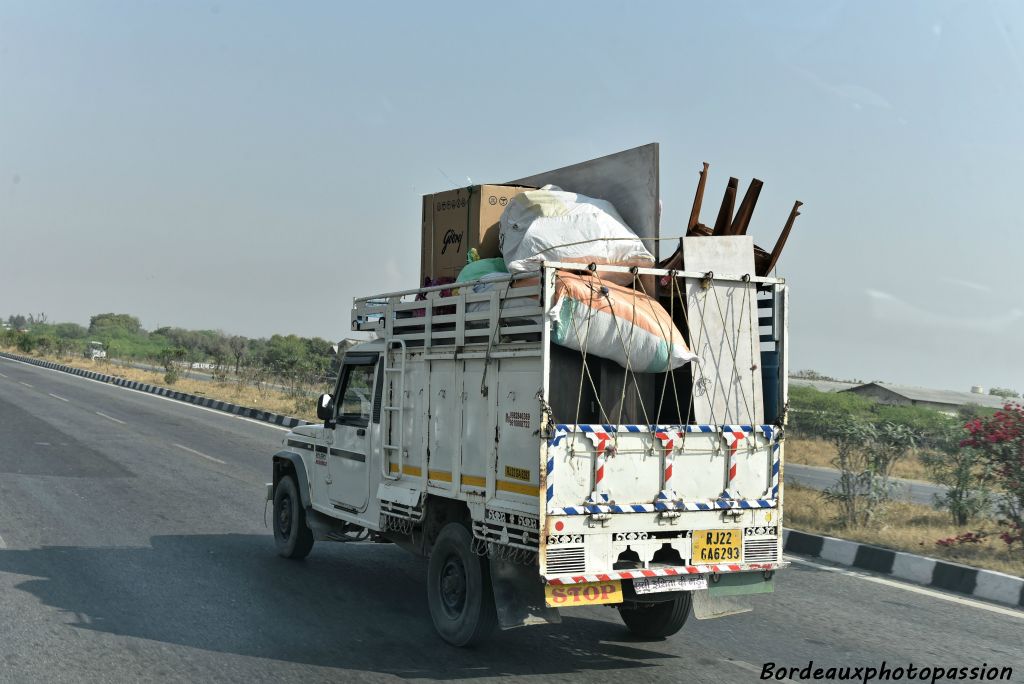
{"x": 348, "y": 448}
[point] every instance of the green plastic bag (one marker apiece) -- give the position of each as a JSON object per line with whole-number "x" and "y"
{"x": 480, "y": 268}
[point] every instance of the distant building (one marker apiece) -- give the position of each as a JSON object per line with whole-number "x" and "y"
{"x": 344, "y": 345}
{"x": 822, "y": 385}
{"x": 945, "y": 401}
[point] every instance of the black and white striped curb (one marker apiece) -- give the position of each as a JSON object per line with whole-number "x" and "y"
{"x": 929, "y": 572}
{"x": 226, "y": 407}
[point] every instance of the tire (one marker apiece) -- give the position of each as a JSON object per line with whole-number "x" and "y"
{"x": 657, "y": 620}
{"x": 459, "y": 589}
{"x": 292, "y": 535}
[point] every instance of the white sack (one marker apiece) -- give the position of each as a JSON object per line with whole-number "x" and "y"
{"x": 617, "y": 323}
{"x": 552, "y": 225}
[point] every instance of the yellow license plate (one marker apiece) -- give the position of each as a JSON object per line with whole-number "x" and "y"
{"x": 717, "y": 546}
{"x": 589, "y": 594}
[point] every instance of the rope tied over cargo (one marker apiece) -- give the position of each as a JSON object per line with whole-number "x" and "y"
{"x": 585, "y": 372}
{"x": 732, "y": 348}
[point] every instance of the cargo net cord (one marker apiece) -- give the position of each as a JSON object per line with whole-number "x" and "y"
{"x": 698, "y": 388}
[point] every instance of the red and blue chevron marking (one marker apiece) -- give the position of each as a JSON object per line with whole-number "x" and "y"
{"x": 665, "y": 505}
{"x": 600, "y": 434}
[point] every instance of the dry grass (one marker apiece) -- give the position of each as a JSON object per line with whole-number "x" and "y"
{"x": 903, "y": 527}
{"x": 265, "y": 399}
{"x": 818, "y": 452}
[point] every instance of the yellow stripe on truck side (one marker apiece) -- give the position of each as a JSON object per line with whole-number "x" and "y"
{"x": 467, "y": 480}
{"x": 474, "y": 481}
{"x": 439, "y": 475}
{"x": 413, "y": 471}
{"x": 517, "y": 488}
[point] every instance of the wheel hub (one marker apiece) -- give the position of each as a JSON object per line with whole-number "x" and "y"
{"x": 284, "y": 517}
{"x": 453, "y": 587}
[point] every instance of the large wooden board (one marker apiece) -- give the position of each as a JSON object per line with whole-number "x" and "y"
{"x": 724, "y": 332}
{"x": 627, "y": 179}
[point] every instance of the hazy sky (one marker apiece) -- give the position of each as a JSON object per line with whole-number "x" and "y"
{"x": 253, "y": 166}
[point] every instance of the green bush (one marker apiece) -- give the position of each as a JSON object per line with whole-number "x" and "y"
{"x": 965, "y": 472}
{"x": 25, "y": 343}
{"x": 812, "y": 414}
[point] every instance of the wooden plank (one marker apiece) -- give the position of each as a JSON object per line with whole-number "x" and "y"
{"x": 627, "y": 179}
{"x": 724, "y": 220}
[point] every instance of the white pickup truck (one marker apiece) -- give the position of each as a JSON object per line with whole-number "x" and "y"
{"x": 537, "y": 477}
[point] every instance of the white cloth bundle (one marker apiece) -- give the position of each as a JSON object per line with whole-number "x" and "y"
{"x": 552, "y": 225}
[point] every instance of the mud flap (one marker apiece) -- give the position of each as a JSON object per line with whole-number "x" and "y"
{"x": 519, "y": 595}
{"x": 707, "y": 607}
{"x": 729, "y": 595}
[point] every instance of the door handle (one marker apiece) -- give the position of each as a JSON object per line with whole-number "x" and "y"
{"x": 361, "y": 432}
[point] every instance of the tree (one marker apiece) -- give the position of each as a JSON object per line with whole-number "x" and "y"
{"x": 865, "y": 456}
{"x": 964, "y": 471}
{"x": 70, "y": 331}
{"x": 808, "y": 374}
{"x": 114, "y": 325}
{"x": 1001, "y": 439}
{"x": 25, "y": 343}
{"x": 1004, "y": 393}
{"x": 169, "y": 358}
{"x": 285, "y": 353}
{"x": 66, "y": 346}
{"x": 45, "y": 344}
{"x": 891, "y": 444}
{"x": 18, "y": 321}
{"x": 238, "y": 346}
{"x": 851, "y": 437}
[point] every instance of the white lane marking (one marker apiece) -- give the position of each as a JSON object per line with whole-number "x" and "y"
{"x": 1009, "y": 612}
{"x": 3, "y": 544}
{"x": 24, "y": 383}
{"x": 222, "y": 414}
{"x": 116, "y": 420}
{"x": 2, "y": 375}
{"x": 42, "y": 444}
{"x": 56, "y": 397}
{"x": 199, "y": 453}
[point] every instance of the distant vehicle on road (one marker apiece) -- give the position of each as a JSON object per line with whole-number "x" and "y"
{"x": 95, "y": 350}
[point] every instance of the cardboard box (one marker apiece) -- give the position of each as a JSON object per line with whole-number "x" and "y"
{"x": 456, "y": 221}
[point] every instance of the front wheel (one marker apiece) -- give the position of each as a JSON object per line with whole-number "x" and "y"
{"x": 657, "y": 620}
{"x": 459, "y": 589}
{"x": 292, "y": 535}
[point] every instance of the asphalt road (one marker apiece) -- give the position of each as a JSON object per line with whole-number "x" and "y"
{"x": 134, "y": 549}
{"x": 819, "y": 478}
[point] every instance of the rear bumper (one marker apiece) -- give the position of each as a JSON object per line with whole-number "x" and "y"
{"x": 663, "y": 572}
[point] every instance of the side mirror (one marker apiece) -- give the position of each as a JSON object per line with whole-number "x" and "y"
{"x": 324, "y": 407}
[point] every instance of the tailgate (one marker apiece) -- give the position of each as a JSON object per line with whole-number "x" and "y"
{"x": 638, "y": 468}
{"x": 635, "y": 501}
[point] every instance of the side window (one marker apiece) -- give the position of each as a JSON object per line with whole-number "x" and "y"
{"x": 356, "y": 398}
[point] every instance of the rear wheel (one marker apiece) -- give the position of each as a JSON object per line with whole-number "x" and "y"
{"x": 657, "y": 620}
{"x": 459, "y": 589}
{"x": 292, "y": 535}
